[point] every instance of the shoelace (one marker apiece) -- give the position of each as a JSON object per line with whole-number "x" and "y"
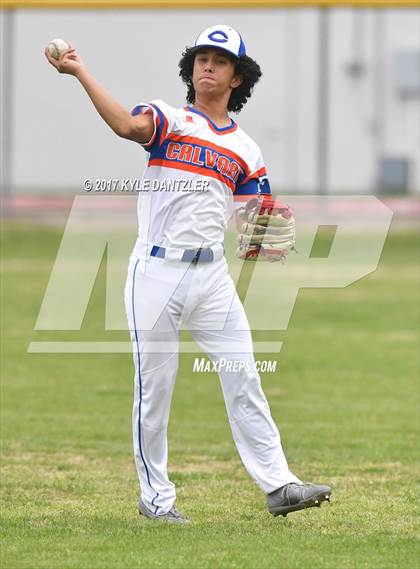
{"x": 174, "y": 512}
{"x": 290, "y": 489}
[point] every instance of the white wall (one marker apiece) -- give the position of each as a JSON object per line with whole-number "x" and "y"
{"x": 58, "y": 140}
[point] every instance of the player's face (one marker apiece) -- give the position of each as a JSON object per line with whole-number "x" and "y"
{"x": 214, "y": 72}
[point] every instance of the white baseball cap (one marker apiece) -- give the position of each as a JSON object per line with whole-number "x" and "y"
{"x": 222, "y": 37}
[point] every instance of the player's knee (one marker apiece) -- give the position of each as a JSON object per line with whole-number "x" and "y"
{"x": 244, "y": 395}
{"x": 155, "y": 407}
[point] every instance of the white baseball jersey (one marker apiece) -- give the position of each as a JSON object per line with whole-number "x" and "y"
{"x": 195, "y": 173}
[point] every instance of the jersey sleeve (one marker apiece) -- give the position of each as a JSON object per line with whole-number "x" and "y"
{"x": 254, "y": 183}
{"x": 163, "y": 118}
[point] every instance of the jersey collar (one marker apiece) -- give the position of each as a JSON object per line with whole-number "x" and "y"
{"x": 218, "y": 130}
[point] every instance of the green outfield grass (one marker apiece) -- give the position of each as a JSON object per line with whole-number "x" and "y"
{"x": 344, "y": 396}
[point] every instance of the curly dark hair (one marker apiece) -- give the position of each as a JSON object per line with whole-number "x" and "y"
{"x": 249, "y": 70}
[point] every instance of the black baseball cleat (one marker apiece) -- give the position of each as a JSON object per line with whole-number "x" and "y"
{"x": 293, "y": 497}
{"x": 173, "y": 516}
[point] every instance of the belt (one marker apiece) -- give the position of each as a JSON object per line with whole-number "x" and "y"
{"x": 194, "y": 256}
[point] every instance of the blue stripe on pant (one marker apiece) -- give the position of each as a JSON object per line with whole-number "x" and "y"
{"x": 140, "y": 385}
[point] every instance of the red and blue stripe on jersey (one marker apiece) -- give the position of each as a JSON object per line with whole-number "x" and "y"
{"x": 202, "y": 157}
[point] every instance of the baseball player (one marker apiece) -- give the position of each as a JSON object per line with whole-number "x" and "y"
{"x": 201, "y": 167}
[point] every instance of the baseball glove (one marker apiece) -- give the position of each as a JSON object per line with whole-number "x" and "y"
{"x": 268, "y": 230}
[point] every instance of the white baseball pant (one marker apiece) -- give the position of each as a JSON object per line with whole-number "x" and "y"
{"x": 160, "y": 296}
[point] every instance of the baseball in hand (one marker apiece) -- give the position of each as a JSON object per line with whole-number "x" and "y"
{"x": 56, "y": 47}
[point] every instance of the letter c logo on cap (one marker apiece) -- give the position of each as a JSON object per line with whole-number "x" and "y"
{"x": 213, "y": 36}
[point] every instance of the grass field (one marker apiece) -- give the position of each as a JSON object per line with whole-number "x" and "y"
{"x": 345, "y": 398}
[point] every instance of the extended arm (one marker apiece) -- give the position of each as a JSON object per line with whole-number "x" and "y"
{"x": 139, "y": 128}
